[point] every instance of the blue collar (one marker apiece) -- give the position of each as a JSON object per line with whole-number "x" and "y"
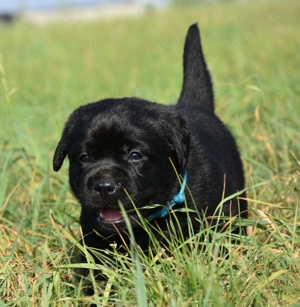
{"x": 177, "y": 199}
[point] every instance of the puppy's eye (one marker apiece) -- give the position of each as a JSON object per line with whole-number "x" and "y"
{"x": 84, "y": 158}
{"x": 134, "y": 155}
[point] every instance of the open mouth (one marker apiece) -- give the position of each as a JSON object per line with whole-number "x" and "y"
{"x": 111, "y": 216}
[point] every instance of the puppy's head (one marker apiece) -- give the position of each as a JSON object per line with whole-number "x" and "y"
{"x": 119, "y": 151}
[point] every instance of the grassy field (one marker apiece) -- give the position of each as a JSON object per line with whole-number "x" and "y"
{"x": 253, "y": 52}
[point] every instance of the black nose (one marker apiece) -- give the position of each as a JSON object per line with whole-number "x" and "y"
{"x": 106, "y": 186}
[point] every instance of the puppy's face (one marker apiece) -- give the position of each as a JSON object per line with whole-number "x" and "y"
{"x": 121, "y": 151}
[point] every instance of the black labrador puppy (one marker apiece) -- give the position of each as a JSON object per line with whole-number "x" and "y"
{"x": 159, "y": 158}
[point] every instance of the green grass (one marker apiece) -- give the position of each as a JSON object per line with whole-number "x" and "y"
{"x": 253, "y": 53}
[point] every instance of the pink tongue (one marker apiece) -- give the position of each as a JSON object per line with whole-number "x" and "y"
{"x": 110, "y": 214}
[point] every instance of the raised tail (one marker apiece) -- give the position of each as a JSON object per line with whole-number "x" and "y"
{"x": 197, "y": 87}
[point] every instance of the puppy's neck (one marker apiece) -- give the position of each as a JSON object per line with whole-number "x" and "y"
{"x": 178, "y": 198}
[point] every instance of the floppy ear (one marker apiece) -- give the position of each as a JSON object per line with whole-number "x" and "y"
{"x": 59, "y": 155}
{"x": 179, "y": 137}
{"x": 61, "y": 150}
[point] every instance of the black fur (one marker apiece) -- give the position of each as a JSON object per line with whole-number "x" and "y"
{"x": 115, "y": 145}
